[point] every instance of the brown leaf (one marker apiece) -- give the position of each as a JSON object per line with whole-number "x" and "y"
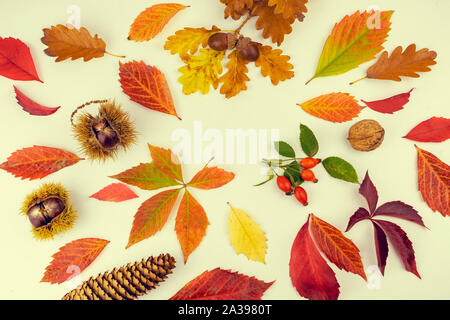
{"x": 290, "y": 8}
{"x": 274, "y": 25}
{"x": 237, "y": 8}
{"x": 234, "y": 80}
{"x": 274, "y": 64}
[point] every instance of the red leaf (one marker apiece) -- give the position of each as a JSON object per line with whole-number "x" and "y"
{"x": 38, "y": 162}
{"x": 359, "y": 215}
{"x": 32, "y": 107}
{"x": 309, "y": 272}
{"x": 381, "y": 246}
{"x": 390, "y": 105}
{"x": 401, "y": 243}
{"x": 399, "y": 210}
{"x": 115, "y": 192}
{"x": 431, "y": 130}
{"x": 211, "y": 178}
{"x": 16, "y": 62}
{"x": 221, "y": 284}
{"x": 369, "y": 191}
{"x": 77, "y": 254}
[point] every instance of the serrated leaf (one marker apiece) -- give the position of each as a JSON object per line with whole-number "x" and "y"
{"x": 284, "y": 149}
{"x": 274, "y": 64}
{"x": 308, "y": 141}
{"x": 115, "y": 192}
{"x": 340, "y": 169}
{"x": 234, "y": 80}
{"x": 246, "y": 236}
{"x": 189, "y": 40}
{"x": 32, "y": 107}
{"x": 432, "y": 130}
{"x": 398, "y": 209}
{"x": 359, "y": 215}
{"x": 167, "y": 162}
{"x": 368, "y": 190}
{"x": 381, "y": 247}
{"x": 211, "y": 178}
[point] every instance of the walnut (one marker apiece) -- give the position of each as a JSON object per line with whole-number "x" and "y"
{"x": 366, "y": 135}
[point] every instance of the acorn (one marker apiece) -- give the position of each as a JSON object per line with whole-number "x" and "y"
{"x": 103, "y": 135}
{"x": 49, "y": 211}
{"x": 248, "y": 49}
{"x": 221, "y": 41}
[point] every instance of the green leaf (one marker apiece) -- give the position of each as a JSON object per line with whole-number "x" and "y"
{"x": 284, "y": 149}
{"x": 308, "y": 141}
{"x": 292, "y": 172}
{"x": 340, "y": 169}
{"x": 270, "y": 177}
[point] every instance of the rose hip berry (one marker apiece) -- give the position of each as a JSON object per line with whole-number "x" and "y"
{"x": 301, "y": 195}
{"x": 308, "y": 175}
{"x": 309, "y": 162}
{"x": 284, "y": 184}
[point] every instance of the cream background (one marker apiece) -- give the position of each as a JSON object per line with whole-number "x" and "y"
{"x": 263, "y": 106}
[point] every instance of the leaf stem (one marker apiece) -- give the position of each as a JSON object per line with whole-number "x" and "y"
{"x": 114, "y": 55}
{"x": 351, "y": 83}
{"x": 243, "y": 23}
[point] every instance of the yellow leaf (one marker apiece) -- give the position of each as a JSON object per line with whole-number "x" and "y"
{"x": 274, "y": 65}
{"x": 189, "y": 40}
{"x": 201, "y": 71}
{"x": 246, "y": 235}
{"x": 234, "y": 81}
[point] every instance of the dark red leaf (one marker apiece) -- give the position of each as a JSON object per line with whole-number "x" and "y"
{"x": 16, "y": 62}
{"x": 381, "y": 247}
{"x": 431, "y": 130}
{"x": 115, "y": 192}
{"x": 369, "y": 191}
{"x": 360, "y": 214}
{"x": 399, "y": 210}
{"x": 32, "y": 107}
{"x": 401, "y": 243}
{"x": 390, "y": 105}
{"x": 309, "y": 272}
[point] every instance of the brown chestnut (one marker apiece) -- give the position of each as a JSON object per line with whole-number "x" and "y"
{"x": 106, "y": 136}
{"x": 43, "y": 212}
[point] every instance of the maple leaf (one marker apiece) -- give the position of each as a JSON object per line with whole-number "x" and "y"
{"x": 309, "y": 272}
{"x": 152, "y": 20}
{"x": 32, "y": 107}
{"x": 274, "y": 64}
{"x": 246, "y": 236}
{"x": 289, "y": 8}
{"x": 334, "y": 107}
{"x": 201, "y": 71}
{"x": 147, "y": 86}
{"x": 435, "y": 129}
{"x": 79, "y": 253}
{"x": 38, "y": 162}
{"x": 189, "y": 40}
{"x": 211, "y": 178}
{"x": 390, "y": 105}
{"x": 234, "y": 80}
{"x": 352, "y": 42}
{"x": 167, "y": 162}
{"x": 115, "y": 192}
{"x": 16, "y": 62}
{"x": 190, "y": 224}
{"x": 219, "y": 284}
{"x": 406, "y": 63}
{"x": 434, "y": 181}
{"x": 237, "y": 8}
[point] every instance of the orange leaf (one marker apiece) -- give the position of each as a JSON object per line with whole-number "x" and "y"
{"x": 38, "y": 162}
{"x": 189, "y": 40}
{"x": 237, "y": 8}
{"x": 274, "y": 65}
{"x": 147, "y": 86}
{"x": 167, "y": 162}
{"x": 434, "y": 181}
{"x": 334, "y": 107}
{"x": 115, "y": 192}
{"x": 338, "y": 249}
{"x": 406, "y": 63}
{"x": 289, "y": 8}
{"x": 234, "y": 80}
{"x": 65, "y": 43}
{"x": 221, "y": 284}
{"x": 211, "y": 178}
{"x": 152, "y": 20}
{"x": 74, "y": 257}
{"x": 190, "y": 224}
{"x": 152, "y": 215}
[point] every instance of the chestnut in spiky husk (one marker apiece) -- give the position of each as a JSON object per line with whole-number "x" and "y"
{"x": 49, "y": 211}
{"x": 103, "y": 135}
{"x": 248, "y": 49}
{"x": 222, "y": 41}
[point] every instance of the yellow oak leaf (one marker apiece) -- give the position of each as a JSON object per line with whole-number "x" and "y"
{"x": 246, "y": 236}
{"x": 234, "y": 80}
{"x": 189, "y": 40}
{"x": 202, "y": 71}
{"x": 274, "y": 65}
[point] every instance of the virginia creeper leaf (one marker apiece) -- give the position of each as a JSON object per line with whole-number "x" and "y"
{"x": 167, "y": 162}
{"x": 32, "y": 107}
{"x": 359, "y": 215}
{"x": 432, "y": 130}
{"x": 398, "y": 209}
{"x": 390, "y": 105}
{"x": 340, "y": 169}
{"x": 115, "y": 192}
{"x": 211, "y": 178}
{"x": 381, "y": 247}
{"x": 368, "y": 190}
{"x": 308, "y": 141}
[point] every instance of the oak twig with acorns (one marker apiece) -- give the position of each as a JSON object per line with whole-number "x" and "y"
{"x": 202, "y": 70}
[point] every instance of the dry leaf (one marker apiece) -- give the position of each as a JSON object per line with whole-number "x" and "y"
{"x": 274, "y": 64}
{"x": 115, "y": 192}
{"x": 189, "y": 40}
{"x": 32, "y": 107}
{"x": 234, "y": 80}
{"x": 289, "y": 8}
{"x": 237, "y": 8}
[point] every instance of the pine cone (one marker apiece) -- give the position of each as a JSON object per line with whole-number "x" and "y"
{"x": 127, "y": 282}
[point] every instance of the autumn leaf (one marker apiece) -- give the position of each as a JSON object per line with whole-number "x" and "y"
{"x": 190, "y": 224}
{"x": 340, "y": 169}
{"x": 434, "y": 181}
{"x": 16, "y": 62}
{"x": 310, "y": 274}
{"x": 201, "y": 71}
{"x": 38, "y": 162}
{"x": 274, "y": 64}
{"x": 237, "y": 8}
{"x": 211, "y": 178}
{"x": 289, "y": 8}
{"x": 359, "y": 215}
{"x": 352, "y": 42}
{"x": 189, "y": 40}
{"x": 334, "y": 107}
{"x": 115, "y": 192}
{"x": 246, "y": 236}
{"x": 338, "y": 249}
{"x": 152, "y": 215}
{"x": 435, "y": 129}
{"x": 234, "y": 80}
{"x": 221, "y": 284}
{"x": 368, "y": 190}
{"x": 152, "y": 20}
{"x": 390, "y": 105}
{"x": 147, "y": 86}
{"x": 381, "y": 247}
{"x": 167, "y": 162}
{"x": 73, "y": 257}
{"x": 398, "y": 209}
{"x": 32, "y": 107}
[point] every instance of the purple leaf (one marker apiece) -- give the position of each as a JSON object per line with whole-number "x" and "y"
{"x": 369, "y": 191}
{"x": 381, "y": 247}
{"x": 398, "y": 209}
{"x": 401, "y": 243}
{"x": 360, "y": 214}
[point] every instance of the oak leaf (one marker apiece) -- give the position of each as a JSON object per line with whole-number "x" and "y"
{"x": 274, "y": 64}
{"x": 234, "y": 80}
{"x": 115, "y": 192}
{"x": 189, "y": 40}
{"x": 289, "y": 8}
{"x": 211, "y": 178}
{"x": 390, "y": 105}
{"x": 274, "y": 25}
{"x": 32, "y": 107}
{"x": 435, "y": 129}
{"x": 237, "y": 8}
{"x": 152, "y": 20}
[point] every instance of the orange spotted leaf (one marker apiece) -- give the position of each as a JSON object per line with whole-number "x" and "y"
{"x": 211, "y": 178}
